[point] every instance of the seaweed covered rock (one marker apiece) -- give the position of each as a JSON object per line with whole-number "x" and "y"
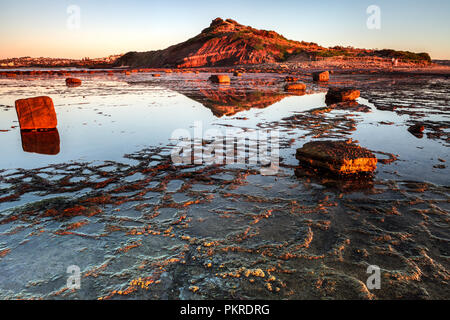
{"x": 339, "y": 157}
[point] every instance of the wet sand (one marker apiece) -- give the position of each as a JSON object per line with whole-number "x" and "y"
{"x": 139, "y": 227}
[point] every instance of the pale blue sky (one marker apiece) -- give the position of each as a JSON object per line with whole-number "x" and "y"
{"x": 38, "y": 27}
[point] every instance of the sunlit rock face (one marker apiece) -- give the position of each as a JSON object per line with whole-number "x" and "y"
{"x": 42, "y": 142}
{"x": 36, "y": 113}
{"x": 339, "y": 157}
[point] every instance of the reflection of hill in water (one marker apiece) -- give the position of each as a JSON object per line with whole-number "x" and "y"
{"x": 228, "y": 100}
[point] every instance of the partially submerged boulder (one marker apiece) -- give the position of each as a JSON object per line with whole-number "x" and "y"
{"x": 321, "y": 76}
{"x": 73, "y": 82}
{"x": 36, "y": 113}
{"x": 342, "y": 95}
{"x": 338, "y": 157}
{"x": 295, "y": 87}
{"x": 219, "y": 78}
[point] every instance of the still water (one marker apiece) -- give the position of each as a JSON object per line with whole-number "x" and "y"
{"x": 102, "y": 192}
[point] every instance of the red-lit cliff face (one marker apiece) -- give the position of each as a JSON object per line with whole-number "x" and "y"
{"x": 223, "y": 43}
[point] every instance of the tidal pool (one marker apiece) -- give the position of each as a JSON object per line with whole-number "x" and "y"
{"x": 102, "y": 193}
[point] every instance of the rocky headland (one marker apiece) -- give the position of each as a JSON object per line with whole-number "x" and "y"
{"x": 228, "y": 43}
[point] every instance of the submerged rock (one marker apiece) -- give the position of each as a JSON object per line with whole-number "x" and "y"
{"x": 321, "y": 76}
{"x": 36, "y": 113}
{"x": 220, "y": 78}
{"x": 342, "y": 94}
{"x": 339, "y": 157}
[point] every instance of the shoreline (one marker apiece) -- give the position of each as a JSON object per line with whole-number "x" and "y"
{"x": 288, "y": 68}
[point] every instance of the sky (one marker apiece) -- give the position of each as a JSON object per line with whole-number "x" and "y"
{"x": 45, "y": 28}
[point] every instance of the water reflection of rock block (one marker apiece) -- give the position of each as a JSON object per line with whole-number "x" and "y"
{"x": 36, "y": 113}
{"x": 42, "y": 142}
{"x": 346, "y": 184}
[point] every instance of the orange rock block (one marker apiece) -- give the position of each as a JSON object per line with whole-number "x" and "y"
{"x": 73, "y": 82}
{"x": 36, "y": 113}
{"x": 342, "y": 95}
{"x": 295, "y": 87}
{"x": 322, "y": 76}
{"x": 220, "y": 78}
{"x": 42, "y": 142}
{"x": 339, "y": 157}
